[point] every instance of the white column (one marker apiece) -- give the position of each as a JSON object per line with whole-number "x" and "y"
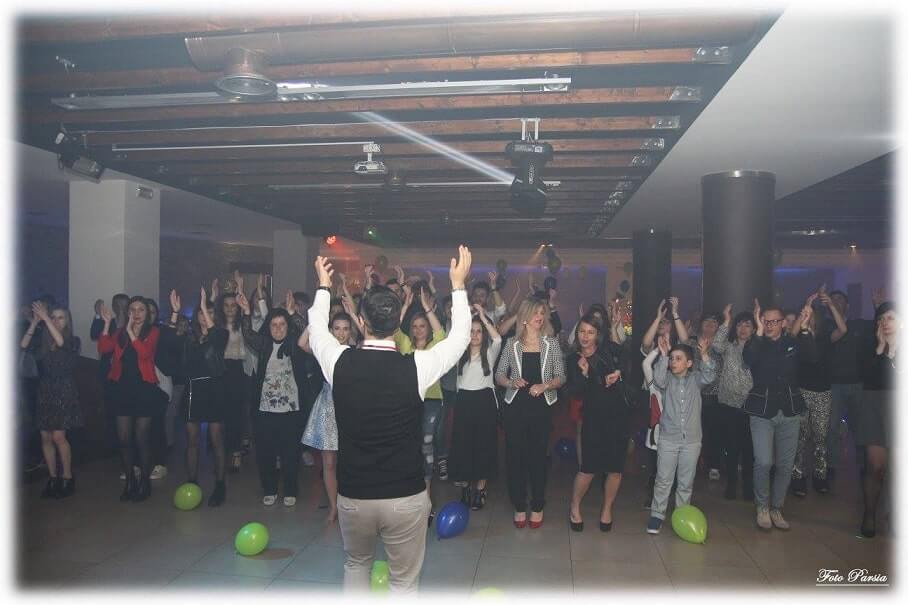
{"x": 114, "y": 246}
{"x": 294, "y": 258}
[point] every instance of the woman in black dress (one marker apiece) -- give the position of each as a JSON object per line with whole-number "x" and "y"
{"x": 594, "y": 373}
{"x": 881, "y": 368}
{"x": 136, "y": 396}
{"x": 58, "y": 401}
{"x": 202, "y": 363}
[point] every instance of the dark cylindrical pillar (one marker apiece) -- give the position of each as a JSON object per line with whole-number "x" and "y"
{"x": 737, "y": 243}
{"x": 652, "y": 283}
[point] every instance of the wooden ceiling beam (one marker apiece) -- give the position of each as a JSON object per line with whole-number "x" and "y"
{"x": 354, "y": 152}
{"x": 409, "y": 165}
{"x": 655, "y": 124}
{"x": 152, "y": 80}
{"x": 234, "y": 110}
{"x": 573, "y": 181}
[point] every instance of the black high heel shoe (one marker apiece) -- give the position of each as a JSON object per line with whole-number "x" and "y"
{"x": 605, "y": 527}
{"x": 129, "y": 489}
{"x": 143, "y": 490}
{"x": 479, "y": 499}
{"x": 52, "y": 489}
{"x": 868, "y": 530}
{"x": 67, "y": 487}
{"x": 575, "y": 525}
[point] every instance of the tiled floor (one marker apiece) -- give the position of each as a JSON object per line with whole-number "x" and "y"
{"x": 92, "y": 540}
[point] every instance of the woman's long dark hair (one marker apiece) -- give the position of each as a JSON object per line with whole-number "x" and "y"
{"x": 483, "y": 351}
{"x": 590, "y": 319}
{"x": 146, "y": 327}
{"x": 220, "y": 318}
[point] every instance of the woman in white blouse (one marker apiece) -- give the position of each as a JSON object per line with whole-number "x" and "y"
{"x": 475, "y": 431}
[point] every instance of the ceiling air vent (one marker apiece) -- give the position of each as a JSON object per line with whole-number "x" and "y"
{"x": 243, "y": 75}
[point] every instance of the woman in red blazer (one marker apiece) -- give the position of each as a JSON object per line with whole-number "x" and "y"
{"x": 136, "y": 397}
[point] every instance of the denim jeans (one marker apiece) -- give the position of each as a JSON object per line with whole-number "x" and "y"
{"x": 846, "y": 398}
{"x": 775, "y": 444}
{"x": 431, "y": 412}
{"x": 674, "y": 456}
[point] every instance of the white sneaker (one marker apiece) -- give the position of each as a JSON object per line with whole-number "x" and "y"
{"x": 289, "y": 501}
{"x": 778, "y": 520}
{"x": 763, "y": 520}
{"x": 308, "y": 459}
{"x": 158, "y": 472}
{"x": 269, "y": 500}
{"x": 713, "y": 474}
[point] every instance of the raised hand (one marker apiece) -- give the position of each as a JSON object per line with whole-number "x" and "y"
{"x": 664, "y": 345}
{"x": 240, "y": 282}
{"x": 810, "y": 299}
{"x": 290, "y": 302}
{"x": 493, "y": 278}
{"x": 324, "y": 270}
{"x": 552, "y": 294}
{"x": 215, "y": 290}
{"x": 584, "y": 365}
{"x": 243, "y": 303}
{"x": 427, "y": 300}
{"x": 105, "y": 313}
{"x": 408, "y": 298}
{"x": 431, "y": 281}
{"x": 824, "y": 298}
{"x": 400, "y": 274}
{"x": 460, "y": 267}
{"x": 880, "y": 338}
{"x": 704, "y": 343}
{"x": 260, "y": 286}
{"x": 343, "y": 278}
{"x": 805, "y": 315}
{"x": 580, "y": 311}
{"x": 662, "y": 310}
{"x": 203, "y": 302}
{"x": 674, "y": 302}
{"x": 39, "y": 311}
{"x": 727, "y": 312}
{"x": 174, "y": 301}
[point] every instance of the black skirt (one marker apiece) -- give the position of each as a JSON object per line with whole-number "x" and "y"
{"x": 474, "y": 436}
{"x": 605, "y": 433}
{"x": 204, "y": 400}
{"x": 138, "y": 399}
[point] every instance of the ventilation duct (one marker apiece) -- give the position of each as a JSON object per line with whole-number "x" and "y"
{"x": 244, "y": 75}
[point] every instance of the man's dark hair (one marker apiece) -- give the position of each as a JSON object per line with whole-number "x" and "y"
{"x": 301, "y": 298}
{"x": 779, "y": 309}
{"x": 839, "y": 293}
{"x": 380, "y": 309}
{"x": 390, "y": 281}
{"x": 481, "y": 285}
{"x": 686, "y": 349}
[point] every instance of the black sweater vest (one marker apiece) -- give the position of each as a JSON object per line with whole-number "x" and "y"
{"x": 379, "y": 425}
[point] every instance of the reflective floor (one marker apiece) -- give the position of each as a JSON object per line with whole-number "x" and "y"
{"x": 91, "y": 540}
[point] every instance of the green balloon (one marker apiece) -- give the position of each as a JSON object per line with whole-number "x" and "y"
{"x": 689, "y": 523}
{"x": 188, "y": 496}
{"x": 251, "y": 539}
{"x": 628, "y": 268}
{"x": 380, "y": 575}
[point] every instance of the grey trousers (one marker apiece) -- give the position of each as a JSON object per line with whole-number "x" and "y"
{"x": 674, "y": 457}
{"x": 815, "y": 426}
{"x": 400, "y": 522}
{"x": 775, "y": 443}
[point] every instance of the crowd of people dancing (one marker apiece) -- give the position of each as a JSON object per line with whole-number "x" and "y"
{"x": 737, "y": 392}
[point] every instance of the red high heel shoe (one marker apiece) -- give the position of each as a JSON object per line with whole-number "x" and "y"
{"x": 520, "y": 524}
{"x": 536, "y": 524}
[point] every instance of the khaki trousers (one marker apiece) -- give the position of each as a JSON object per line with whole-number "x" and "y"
{"x": 400, "y": 522}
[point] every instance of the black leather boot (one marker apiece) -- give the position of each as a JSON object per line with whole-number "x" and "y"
{"x": 67, "y": 487}
{"x": 52, "y": 489}
{"x": 129, "y": 489}
{"x": 143, "y": 490}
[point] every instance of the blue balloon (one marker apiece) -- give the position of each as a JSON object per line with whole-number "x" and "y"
{"x": 566, "y": 448}
{"x": 452, "y": 520}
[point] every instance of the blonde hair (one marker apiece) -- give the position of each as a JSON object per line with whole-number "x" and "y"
{"x": 525, "y": 313}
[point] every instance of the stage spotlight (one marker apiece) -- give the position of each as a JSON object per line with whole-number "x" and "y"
{"x": 528, "y": 191}
{"x": 69, "y": 155}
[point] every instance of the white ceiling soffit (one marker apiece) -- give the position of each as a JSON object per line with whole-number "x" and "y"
{"x": 813, "y": 99}
{"x": 42, "y": 190}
